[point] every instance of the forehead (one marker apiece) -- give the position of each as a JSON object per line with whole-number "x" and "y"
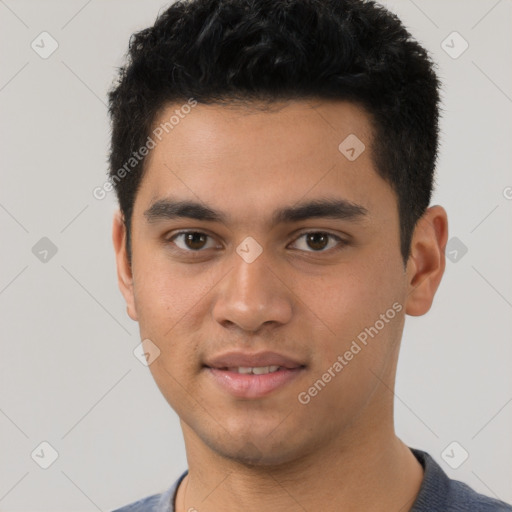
{"x": 287, "y": 130}
{"x": 253, "y": 159}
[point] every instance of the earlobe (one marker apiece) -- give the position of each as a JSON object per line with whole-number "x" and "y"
{"x": 427, "y": 261}
{"x": 124, "y": 271}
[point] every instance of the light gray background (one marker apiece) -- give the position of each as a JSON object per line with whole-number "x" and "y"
{"x": 67, "y": 369}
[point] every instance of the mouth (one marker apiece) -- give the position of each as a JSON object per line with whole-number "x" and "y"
{"x": 251, "y": 382}
{"x": 251, "y": 375}
{"x": 256, "y": 370}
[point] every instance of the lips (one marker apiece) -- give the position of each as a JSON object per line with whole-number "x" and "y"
{"x": 233, "y": 360}
{"x": 252, "y": 376}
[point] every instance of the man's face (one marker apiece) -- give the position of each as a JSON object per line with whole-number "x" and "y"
{"x": 321, "y": 279}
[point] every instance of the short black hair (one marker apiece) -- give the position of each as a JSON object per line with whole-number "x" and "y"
{"x": 247, "y": 51}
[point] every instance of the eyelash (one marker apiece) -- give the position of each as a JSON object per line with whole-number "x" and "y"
{"x": 341, "y": 242}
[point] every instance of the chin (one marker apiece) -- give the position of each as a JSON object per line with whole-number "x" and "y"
{"x": 250, "y": 455}
{"x": 256, "y": 451}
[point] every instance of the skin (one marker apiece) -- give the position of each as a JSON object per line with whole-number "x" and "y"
{"x": 275, "y": 453}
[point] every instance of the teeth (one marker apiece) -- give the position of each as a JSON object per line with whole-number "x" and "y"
{"x": 260, "y": 370}
{"x": 256, "y": 370}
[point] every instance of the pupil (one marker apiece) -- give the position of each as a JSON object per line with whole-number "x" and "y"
{"x": 317, "y": 241}
{"x": 195, "y": 240}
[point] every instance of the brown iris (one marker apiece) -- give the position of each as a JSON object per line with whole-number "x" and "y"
{"x": 195, "y": 240}
{"x": 317, "y": 241}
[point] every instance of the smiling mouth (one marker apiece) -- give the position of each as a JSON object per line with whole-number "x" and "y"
{"x": 252, "y": 382}
{"x": 255, "y": 370}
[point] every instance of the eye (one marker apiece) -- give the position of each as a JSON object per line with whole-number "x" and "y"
{"x": 313, "y": 241}
{"x": 192, "y": 241}
{"x": 317, "y": 241}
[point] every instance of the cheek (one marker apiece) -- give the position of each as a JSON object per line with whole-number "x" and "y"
{"x": 169, "y": 308}
{"x": 167, "y": 293}
{"x": 172, "y": 302}
{"x": 350, "y": 302}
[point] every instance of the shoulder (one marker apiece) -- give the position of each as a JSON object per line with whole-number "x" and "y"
{"x": 439, "y": 493}
{"x": 146, "y": 504}
{"x": 161, "y": 502}
{"x": 462, "y": 497}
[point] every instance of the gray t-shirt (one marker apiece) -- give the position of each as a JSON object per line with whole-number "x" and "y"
{"x": 438, "y": 493}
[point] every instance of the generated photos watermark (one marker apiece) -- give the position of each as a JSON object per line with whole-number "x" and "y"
{"x": 156, "y": 136}
{"x": 304, "y": 397}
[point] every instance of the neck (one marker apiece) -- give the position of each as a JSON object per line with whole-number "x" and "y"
{"x": 370, "y": 470}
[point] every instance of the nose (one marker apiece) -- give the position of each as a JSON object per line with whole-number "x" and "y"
{"x": 252, "y": 295}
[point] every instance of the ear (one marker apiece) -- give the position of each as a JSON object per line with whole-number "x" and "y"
{"x": 124, "y": 271}
{"x": 426, "y": 263}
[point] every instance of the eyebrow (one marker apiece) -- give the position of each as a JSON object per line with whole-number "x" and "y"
{"x": 331, "y": 208}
